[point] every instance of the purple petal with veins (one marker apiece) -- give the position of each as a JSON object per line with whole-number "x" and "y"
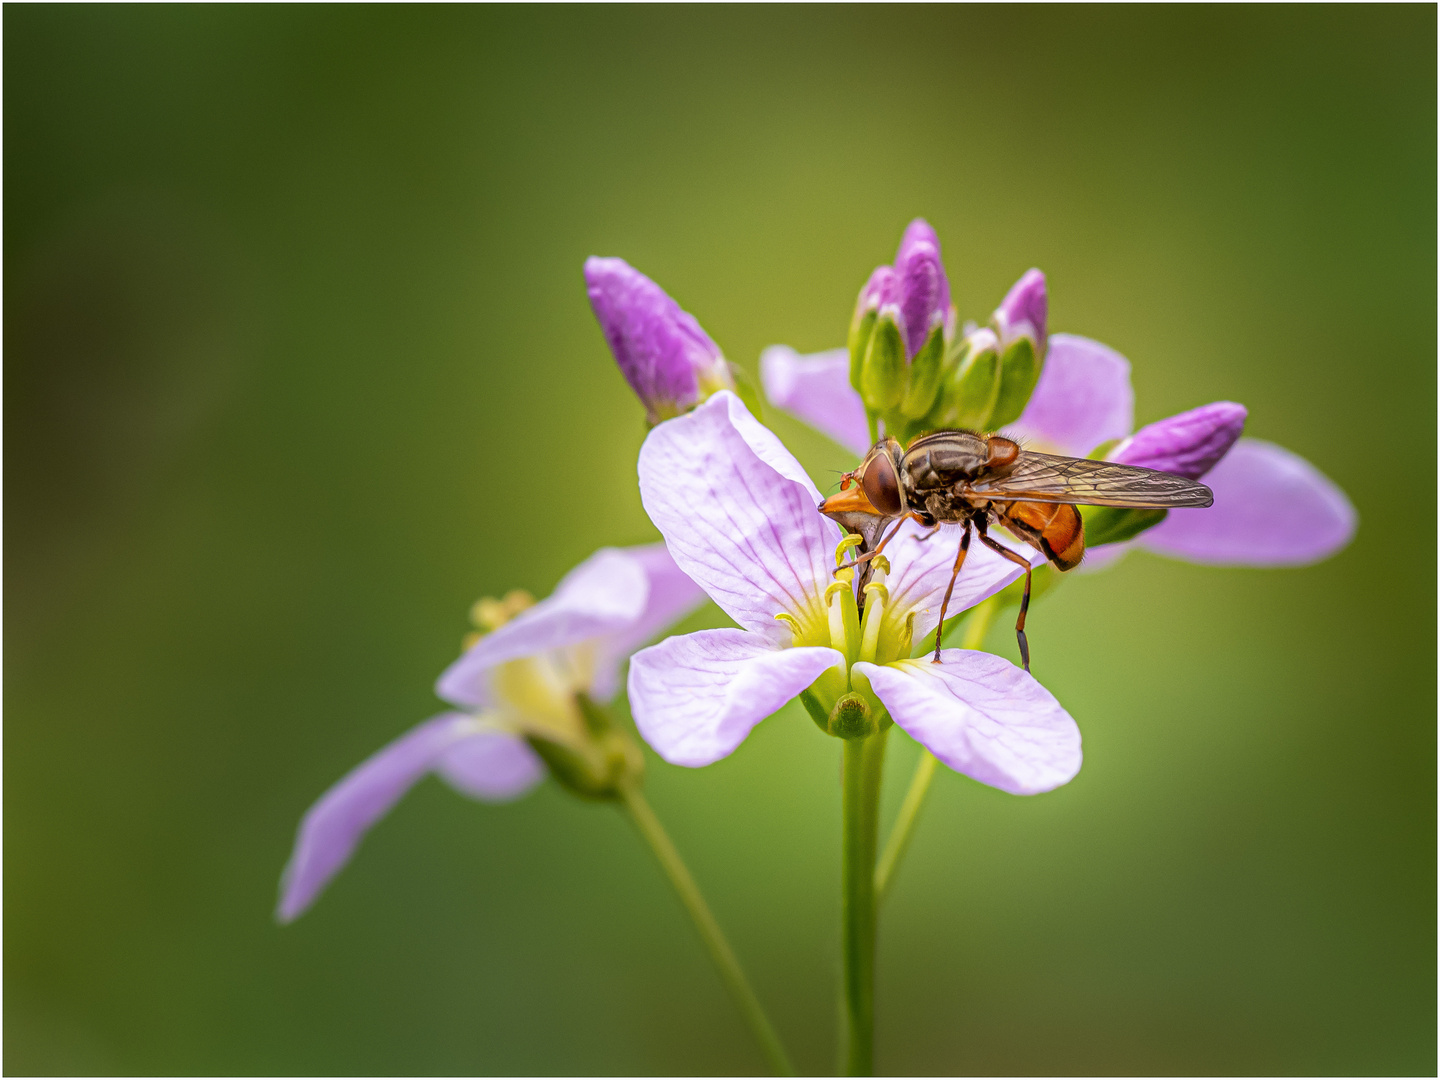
{"x": 1024, "y": 311}
{"x": 736, "y": 518}
{"x": 695, "y": 698}
{"x": 982, "y": 716}
{"x": 1272, "y": 508}
{"x": 817, "y": 390}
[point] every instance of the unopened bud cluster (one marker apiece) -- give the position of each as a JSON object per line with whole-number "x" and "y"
{"x": 912, "y": 369}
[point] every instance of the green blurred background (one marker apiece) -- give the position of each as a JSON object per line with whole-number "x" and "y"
{"x": 299, "y": 363}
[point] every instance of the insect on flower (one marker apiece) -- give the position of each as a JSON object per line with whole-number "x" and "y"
{"x": 962, "y": 477}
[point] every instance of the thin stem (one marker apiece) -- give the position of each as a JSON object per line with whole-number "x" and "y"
{"x": 904, "y": 829}
{"x": 899, "y": 841}
{"x": 861, "y": 819}
{"x": 710, "y": 932}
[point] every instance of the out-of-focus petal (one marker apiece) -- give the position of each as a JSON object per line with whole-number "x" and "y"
{"x": 1083, "y": 398}
{"x": 749, "y": 536}
{"x": 817, "y": 390}
{"x": 880, "y": 289}
{"x": 1272, "y": 508}
{"x": 696, "y": 697}
{"x": 670, "y": 597}
{"x": 333, "y": 827}
{"x": 1187, "y": 444}
{"x": 1024, "y": 311}
{"x": 924, "y": 288}
{"x": 982, "y": 716}
{"x": 494, "y": 766}
{"x": 603, "y": 595}
{"x": 1103, "y": 557}
{"x": 922, "y": 570}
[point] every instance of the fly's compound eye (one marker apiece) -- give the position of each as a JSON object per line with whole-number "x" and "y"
{"x": 882, "y": 485}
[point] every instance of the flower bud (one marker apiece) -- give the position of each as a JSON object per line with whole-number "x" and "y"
{"x": 968, "y": 394}
{"x": 882, "y": 371}
{"x": 668, "y": 360}
{"x": 1188, "y": 444}
{"x": 924, "y": 289}
{"x": 1023, "y": 313}
{"x": 883, "y": 289}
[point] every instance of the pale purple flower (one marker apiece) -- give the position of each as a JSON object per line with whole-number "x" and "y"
{"x": 739, "y": 516}
{"x": 664, "y": 354}
{"x": 1023, "y": 312}
{"x": 516, "y": 683}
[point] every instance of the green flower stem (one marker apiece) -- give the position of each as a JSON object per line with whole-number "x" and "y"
{"x": 861, "y": 818}
{"x": 899, "y": 841}
{"x": 710, "y": 932}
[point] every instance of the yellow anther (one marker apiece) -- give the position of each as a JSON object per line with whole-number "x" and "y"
{"x": 879, "y": 589}
{"x": 794, "y": 624}
{"x": 881, "y": 563}
{"x": 836, "y": 587}
{"x": 490, "y": 614}
{"x": 851, "y": 540}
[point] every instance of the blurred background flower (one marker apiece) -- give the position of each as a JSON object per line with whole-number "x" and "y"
{"x": 299, "y": 360}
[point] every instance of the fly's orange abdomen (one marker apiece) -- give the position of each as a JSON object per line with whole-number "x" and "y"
{"x": 1061, "y": 529}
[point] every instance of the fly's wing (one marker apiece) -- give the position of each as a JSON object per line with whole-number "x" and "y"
{"x": 1049, "y": 478}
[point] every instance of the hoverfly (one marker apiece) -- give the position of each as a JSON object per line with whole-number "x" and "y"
{"x": 962, "y": 477}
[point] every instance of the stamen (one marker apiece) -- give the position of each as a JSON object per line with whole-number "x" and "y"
{"x": 797, "y": 635}
{"x": 851, "y": 540}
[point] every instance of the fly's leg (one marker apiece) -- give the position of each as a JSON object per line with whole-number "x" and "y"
{"x": 959, "y": 562}
{"x": 878, "y": 548}
{"x": 1001, "y": 549}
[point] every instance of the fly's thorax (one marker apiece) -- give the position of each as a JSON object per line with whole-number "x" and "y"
{"x": 939, "y": 460}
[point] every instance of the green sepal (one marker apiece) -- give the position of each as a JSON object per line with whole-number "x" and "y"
{"x": 970, "y": 393}
{"x": 1113, "y": 524}
{"x": 745, "y": 388}
{"x": 817, "y": 711}
{"x": 1019, "y": 371}
{"x": 925, "y": 374}
{"x": 883, "y": 373}
{"x": 860, "y": 331}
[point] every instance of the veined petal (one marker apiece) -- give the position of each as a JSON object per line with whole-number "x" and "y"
{"x": 670, "y": 597}
{"x": 1083, "y": 398}
{"x": 744, "y": 529}
{"x": 493, "y": 766}
{"x": 1272, "y": 508}
{"x": 333, "y": 827}
{"x": 604, "y": 594}
{"x": 816, "y": 389}
{"x": 696, "y": 697}
{"x": 1188, "y": 444}
{"x": 982, "y": 716}
{"x": 922, "y": 570}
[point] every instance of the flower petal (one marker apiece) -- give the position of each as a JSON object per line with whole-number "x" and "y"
{"x": 1188, "y": 444}
{"x": 603, "y": 595}
{"x": 696, "y": 697}
{"x": 982, "y": 716}
{"x": 746, "y": 531}
{"x": 668, "y": 599}
{"x": 1083, "y": 398}
{"x": 493, "y": 766}
{"x": 817, "y": 390}
{"x": 332, "y": 828}
{"x": 922, "y": 570}
{"x": 1272, "y": 508}
{"x": 1023, "y": 311}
